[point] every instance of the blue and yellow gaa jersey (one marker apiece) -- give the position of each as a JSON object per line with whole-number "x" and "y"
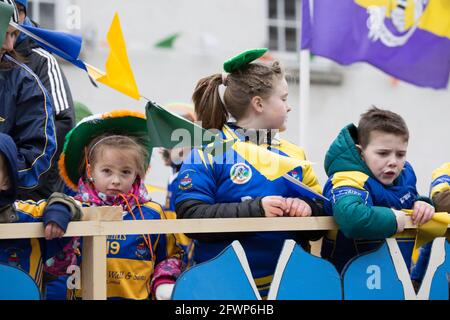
{"x": 26, "y": 253}
{"x": 130, "y": 264}
{"x": 375, "y": 197}
{"x": 441, "y": 179}
{"x": 228, "y": 178}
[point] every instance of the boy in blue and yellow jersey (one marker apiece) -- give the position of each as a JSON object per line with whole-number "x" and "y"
{"x": 369, "y": 184}
{"x": 27, "y": 253}
{"x": 228, "y": 185}
{"x": 105, "y": 159}
{"x": 440, "y": 194}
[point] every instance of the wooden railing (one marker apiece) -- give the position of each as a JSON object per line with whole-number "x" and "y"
{"x": 94, "y": 233}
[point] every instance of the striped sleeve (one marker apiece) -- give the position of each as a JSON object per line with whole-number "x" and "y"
{"x": 53, "y": 81}
{"x": 30, "y": 211}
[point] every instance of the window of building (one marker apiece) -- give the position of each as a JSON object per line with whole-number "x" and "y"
{"x": 284, "y": 25}
{"x": 49, "y": 14}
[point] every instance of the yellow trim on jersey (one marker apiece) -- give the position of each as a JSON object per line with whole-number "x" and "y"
{"x": 440, "y": 188}
{"x": 441, "y": 171}
{"x": 202, "y": 157}
{"x": 155, "y": 206}
{"x": 35, "y": 259}
{"x": 33, "y": 209}
{"x": 263, "y": 280}
{"x": 170, "y": 214}
{"x": 229, "y": 134}
{"x": 291, "y": 150}
{"x": 180, "y": 237}
{"x": 309, "y": 177}
{"x": 354, "y": 179}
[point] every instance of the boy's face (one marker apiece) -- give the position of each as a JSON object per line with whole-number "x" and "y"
{"x": 4, "y": 175}
{"x": 385, "y": 155}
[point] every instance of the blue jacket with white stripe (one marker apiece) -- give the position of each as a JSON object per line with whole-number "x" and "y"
{"x": 26, "y": 115}
{"x": 46, "y": 67}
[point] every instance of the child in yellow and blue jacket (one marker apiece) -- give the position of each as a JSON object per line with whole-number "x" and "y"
{"x": 27, "y": 254}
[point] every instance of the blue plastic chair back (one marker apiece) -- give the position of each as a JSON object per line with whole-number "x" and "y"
{"x": 16, "y": 284}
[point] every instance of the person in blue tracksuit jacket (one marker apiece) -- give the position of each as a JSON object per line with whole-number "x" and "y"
{"x": 26, "y": 114}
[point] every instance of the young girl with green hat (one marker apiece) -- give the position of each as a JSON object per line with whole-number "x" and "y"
{"x": 105, "y": 159}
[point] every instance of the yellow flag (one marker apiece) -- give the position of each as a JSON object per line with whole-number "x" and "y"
{"x": 151, "y": 188}
{"x": 436, "y": 227}
{"x": 119, "y": 75}
{"x": 269, "y": 164}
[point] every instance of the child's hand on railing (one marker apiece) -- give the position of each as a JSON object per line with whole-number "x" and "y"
{"x": 422, "y": 212}
{"x": 297, "y": 208}
{"x": 274, "y": 206}
{"x": 56, "y": 219}
{"x": 52, "y": 231}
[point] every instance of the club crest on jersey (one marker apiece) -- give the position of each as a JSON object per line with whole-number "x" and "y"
{"x": 141, "y": 249}
{"x": 185, "y": 182}
{"x": 295, "y": 175}
{"x": 395, "y": 22}
{"x": 240, "y": 173}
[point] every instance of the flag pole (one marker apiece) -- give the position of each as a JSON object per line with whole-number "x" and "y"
{"x": 304, "y": 90}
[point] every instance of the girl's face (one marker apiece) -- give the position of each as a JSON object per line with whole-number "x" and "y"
{"x": 113, "y": 172}
{"x": 275, "y": 107}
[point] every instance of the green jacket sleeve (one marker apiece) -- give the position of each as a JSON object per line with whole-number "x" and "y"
{"x": 356, "y": 220}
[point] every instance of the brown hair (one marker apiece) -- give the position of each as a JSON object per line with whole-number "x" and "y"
{"x": 126, "y": 145}
{"x": 386, "y": 121}
{"x": 254, "y": 79}
{"x": 6, "y": 64}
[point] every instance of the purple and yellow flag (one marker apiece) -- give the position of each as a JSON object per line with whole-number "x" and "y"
{"x": 408, "y": 39}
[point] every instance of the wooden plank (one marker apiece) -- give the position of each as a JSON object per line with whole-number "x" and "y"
{"x": 93, "y": 270}
{"x": 93, "y": 228}
{"x": 106, "y": 213}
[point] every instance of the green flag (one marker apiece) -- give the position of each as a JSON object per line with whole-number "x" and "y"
{"x": 81, "y": 111}
{"x": 169, "y": 130}
{"x": 6, "y": 12}
{"x": 167, "y": 43}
